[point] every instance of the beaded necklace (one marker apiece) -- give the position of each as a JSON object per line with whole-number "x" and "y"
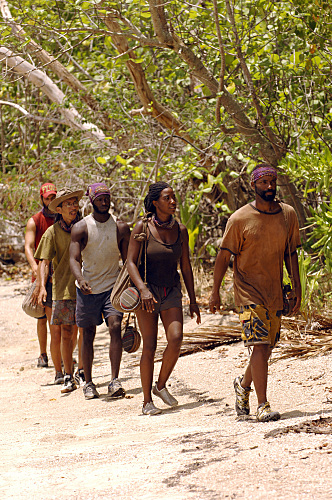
{"x": 165, "y": 225}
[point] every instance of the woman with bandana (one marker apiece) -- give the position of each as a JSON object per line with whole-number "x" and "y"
{"x": 166, "y": 247}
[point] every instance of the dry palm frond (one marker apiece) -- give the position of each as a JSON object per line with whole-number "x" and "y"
{"x": 302, "y": 339}
{"x": 203, "y": 339}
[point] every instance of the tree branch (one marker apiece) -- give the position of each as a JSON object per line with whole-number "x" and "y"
{"x": 43, "y": 56}
{"x": 222, "y": 61}
{"x": 29, "y": 115}
{"x": 52, "y": 91}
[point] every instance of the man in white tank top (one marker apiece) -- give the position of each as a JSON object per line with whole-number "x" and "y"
{"x": 96, "y": 242}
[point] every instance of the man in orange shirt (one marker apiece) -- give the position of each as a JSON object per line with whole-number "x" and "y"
{"x": 262, "y": 235}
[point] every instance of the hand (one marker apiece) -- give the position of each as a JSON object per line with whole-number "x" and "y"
{"x": 148, "y": 300}
{"x": 297, "y": 306}
{"x": 84, "y": 287}
{"x": 214, "y": 302}
{"x": 194, "y": 309}
{"x": 42, "y": 296}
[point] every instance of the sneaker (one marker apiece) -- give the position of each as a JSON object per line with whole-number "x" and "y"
{"x": 59, "y": 378}
{"x": 90, "y": 391}
{"x": 164, "y": 395}
{"x": 69, "y": 384}
{"x": 115, "y": 389}
{"x": 242, "y": 397}
{"x": 42, "y": 361}
{"x": 265, "y": 414}
{"x": 79, "y": 377}
{"x": 150, "y": 409}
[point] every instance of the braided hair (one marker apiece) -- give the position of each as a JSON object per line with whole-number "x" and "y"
{"x": 153, "y": 195}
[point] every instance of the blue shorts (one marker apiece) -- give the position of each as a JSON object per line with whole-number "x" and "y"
{"x": 92, "y": 308}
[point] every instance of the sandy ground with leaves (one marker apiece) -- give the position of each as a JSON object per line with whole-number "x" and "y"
{"x": 57, "y": 446}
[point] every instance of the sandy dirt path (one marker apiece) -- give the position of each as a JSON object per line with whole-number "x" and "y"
{"x": 57, "y": 446}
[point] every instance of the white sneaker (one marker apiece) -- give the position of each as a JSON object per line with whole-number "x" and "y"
{"x": 164, "y": 395}
{"x": 115, "y": 389}
{"x": 90, "y": 391}
{"x": 150, "y": 409}
{"x": 79, "y": 377}
{"x": 69, "y": 384}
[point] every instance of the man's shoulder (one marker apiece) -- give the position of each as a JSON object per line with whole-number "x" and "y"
{"x": 36, "y": 217}
{"x": 51, "y": 231}
{"x": 287, "y": 208}
{"x": 80, "y": 225}
{"x": 241, "y": 213}
{"x": 121, "y": 223}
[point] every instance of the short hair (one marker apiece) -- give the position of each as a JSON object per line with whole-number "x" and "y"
{"x": 154, "y": 192}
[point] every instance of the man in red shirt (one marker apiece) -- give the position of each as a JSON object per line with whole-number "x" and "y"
{"x": 35, "y": 229}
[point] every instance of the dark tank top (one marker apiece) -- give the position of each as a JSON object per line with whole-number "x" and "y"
{"x": 161, "y": 261}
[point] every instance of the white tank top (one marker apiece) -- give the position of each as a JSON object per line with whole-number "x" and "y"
{"x": 100, "y": 266}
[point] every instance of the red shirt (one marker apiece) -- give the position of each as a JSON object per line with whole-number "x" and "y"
{"x": 42, "y": 223}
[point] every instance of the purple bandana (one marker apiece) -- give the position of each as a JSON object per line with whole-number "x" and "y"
{"x": 261, "y": 171}
{"x": 96, "y": 190}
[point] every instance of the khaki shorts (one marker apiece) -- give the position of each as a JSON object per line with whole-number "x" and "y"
{"x": 259, "y": 325}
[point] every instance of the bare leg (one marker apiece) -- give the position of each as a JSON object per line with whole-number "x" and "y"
{"x": 80, "y": 346}
{"x": 173, "y": 323}
{"x": 115, "y": 350}
{"x": 87, "y": 351}
{"x": 55, "y": 346}
{"x": 257, "y": 371}
{"x": 148, "y": 324}
{"x": 42, "y": 334}
{"x": 75, "y": 329}
{"x": 67, "y": 347}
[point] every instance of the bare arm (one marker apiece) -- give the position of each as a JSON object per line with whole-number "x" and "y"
{"x": 29, "y": 246}
{"x": 42, "y": 275}
{"x": 220, "y": 269}
{"x": 79, "y": 238}
{"x": 292, "y": 266}
{"x": 123, "y": 235}
{"x": 187, "y": 274}
{"x": 147, "y": 298}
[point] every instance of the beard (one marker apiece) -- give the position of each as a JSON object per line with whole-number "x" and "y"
{"x": 264, "y": 195}
{"x": 101, "y": 211}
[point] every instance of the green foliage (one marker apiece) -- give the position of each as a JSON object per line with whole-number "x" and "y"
{"x": 310, "y": 275}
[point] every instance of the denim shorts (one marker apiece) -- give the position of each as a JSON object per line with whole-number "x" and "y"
{"x": 92, "y": 308}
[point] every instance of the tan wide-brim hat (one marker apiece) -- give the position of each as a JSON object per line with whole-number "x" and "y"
{"x": 63, "y": 195}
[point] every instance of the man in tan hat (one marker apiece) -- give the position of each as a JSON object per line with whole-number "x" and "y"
{"x": 35, "y": 229}
{"x": 54, "y": 247}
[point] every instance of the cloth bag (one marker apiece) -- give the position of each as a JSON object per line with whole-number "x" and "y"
{"x": 33, "y": 310}
{"x": 125, "y": 297}
{"x": 131, "y": 338}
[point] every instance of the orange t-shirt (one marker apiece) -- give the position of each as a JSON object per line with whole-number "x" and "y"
{"x": 258, "y": 240}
